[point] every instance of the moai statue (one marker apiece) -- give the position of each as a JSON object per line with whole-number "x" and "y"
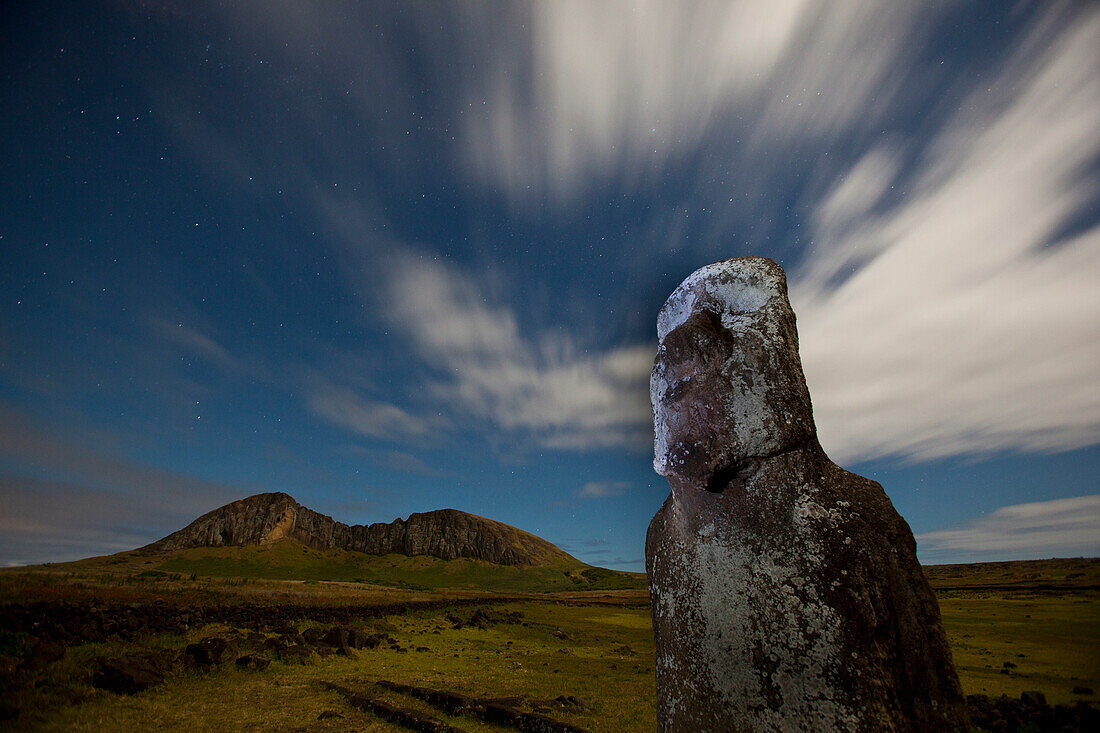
{"x": 786, "y": 592}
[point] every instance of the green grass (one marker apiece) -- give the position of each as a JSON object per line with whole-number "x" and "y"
{"x": 501, "y": 661}
{"x": 1052, "y": 636}
{"x": 290, "y": 560}
{"x": 1053, "y": 639}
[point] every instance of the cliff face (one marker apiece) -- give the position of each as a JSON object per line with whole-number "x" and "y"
{"x": 446, "y": 533}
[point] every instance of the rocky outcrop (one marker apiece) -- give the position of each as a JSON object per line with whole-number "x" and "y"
{"x": 446, "y": 533}
{"x": 786, "y": 593}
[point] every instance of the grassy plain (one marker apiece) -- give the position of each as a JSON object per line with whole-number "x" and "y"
{"x": 1042, "y": 617}
{"x": 595, "y": 645}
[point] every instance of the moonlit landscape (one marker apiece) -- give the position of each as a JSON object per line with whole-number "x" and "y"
{"x": 396, "y": 257}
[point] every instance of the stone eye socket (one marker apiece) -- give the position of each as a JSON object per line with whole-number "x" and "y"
{"x": 676, "y": 390}
{"x": 721, "y": 477}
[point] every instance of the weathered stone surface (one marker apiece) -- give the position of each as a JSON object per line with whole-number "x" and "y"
{"x": 253, "y": 662}
{"x": 786, "y": 592}
{"x": 210, "y": 651}
{"x": 446, "y": 533}
{"x": 132, "y": 673}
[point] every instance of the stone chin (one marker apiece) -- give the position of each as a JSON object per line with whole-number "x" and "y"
{"x": 714, "y": 412}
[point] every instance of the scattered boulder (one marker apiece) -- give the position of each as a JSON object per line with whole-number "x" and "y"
{"x": 1033, "y": 697}
{"x": 785, "y": 591}
{"x": 293, "y": 638}
{"x": 314, "y": 635}
{"x": 275, "y": 645}
{"x": 210, "y": 651}
{"x": 1030, "y": 712}
{"x": 299, "y": 653}
{"x": 336, "y": 637}
{"x": 131, "y": 673}
{"x": 359, "y": 639}
{"x": 572, "y": 703}
{"x": 253, "y": 662}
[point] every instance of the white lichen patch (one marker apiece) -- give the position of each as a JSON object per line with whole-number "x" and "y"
{"x": 760, "y": 638}
{"x": 752, "y": 627}
{"x": 741, "y": 292}
{"x": 728, "y": 288}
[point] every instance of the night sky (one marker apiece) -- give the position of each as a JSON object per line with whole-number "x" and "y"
{"x": 395, "y": 257}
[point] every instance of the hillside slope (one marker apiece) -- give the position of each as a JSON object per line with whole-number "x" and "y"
{"x": 288, "y": 559}
{"x": 447, "y": 534}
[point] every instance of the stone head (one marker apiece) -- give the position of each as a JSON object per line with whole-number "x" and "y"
{"x": 727, "y": 385}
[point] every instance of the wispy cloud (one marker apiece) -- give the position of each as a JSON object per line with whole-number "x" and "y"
{"x": 559, "y": 394}
{"x": 196, "y": 342}
{"x": 953, "y": 309}
{"x": 346, "y": 408}
{"x": 394, "y": 460}
{"x": 1058, "y": 528}
{"x": 945, "y": 281}
{"x": 620, "y": 90}
{"x": 602, "y": 489}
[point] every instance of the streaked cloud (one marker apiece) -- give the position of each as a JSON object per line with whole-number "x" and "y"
{"x": 945, "y": 247}
{"x": 952, "y": 309}
{"x": 346, "y": 408}
{"x": 602, "y": 489}
{"x": 552, "y": 390}
{"x": 1058, "y": 528}
{"x": 196, "y": 342}
{"x": 619, "y": 90}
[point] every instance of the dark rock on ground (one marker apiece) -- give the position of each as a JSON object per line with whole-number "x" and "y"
{"x": 454, "y": 703}
{"x": 786, "y": 593}
{"x": 253, "y": 661}
{"x": 296, "y": 653}
{"x": 1030, "y": 713}
{"x": 210, "y": 651}
{"x": 294, "y": 638}
{"x": 572, "y": 703}
{"x": 1033, "y": 697}
{"x": 500, "y": 711}
{"x": 132, "y": 673}
{"x": 336, "y": 637}
{"x": 358, "y": 639}
{"x": 404, "y": 717}
{"x": 313, "y": 635}
{"x": 275, "y": 646}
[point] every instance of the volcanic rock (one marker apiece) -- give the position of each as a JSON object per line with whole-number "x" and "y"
{"x": 253, "y": 661}
{"x": 131, "y": 673}
{"x": 446, "y": 533}
{"x": 786, "y": 593}
{"x": 211, "y": 650}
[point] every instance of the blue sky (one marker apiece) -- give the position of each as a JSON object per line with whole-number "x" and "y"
{"x": 394, "y": 257}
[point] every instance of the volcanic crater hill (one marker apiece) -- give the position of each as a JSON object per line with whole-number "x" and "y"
{"x": 447, "y": 534}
